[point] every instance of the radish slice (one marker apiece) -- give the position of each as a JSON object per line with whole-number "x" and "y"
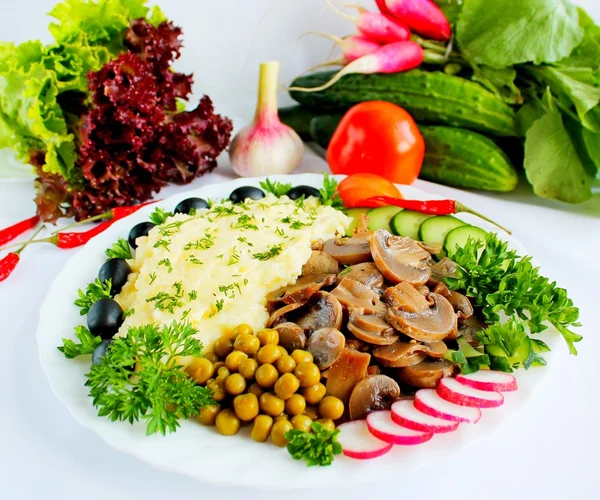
{"x": 405, "y": 414}
{"x": 489, "y": 380}
{"x": 428, "y": 401}
{"x": 382, "y": 426}
{"x": 358, "y": 442}
{"x": 453, "y": 391}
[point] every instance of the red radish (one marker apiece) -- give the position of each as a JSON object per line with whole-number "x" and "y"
{"x": 453, "y": 391}
{"x": 358, "y": 442}
{"x": 382, "y": 426}
{"x": 489, "y": 380}
{"x": 353, "y": 48}
{"x": 375, "y": 26}
{"x": 428, "y": 401}
{"x": 392, "y": 58}
{"x": 405, "y": 414}
{"x": 422, "y": 16}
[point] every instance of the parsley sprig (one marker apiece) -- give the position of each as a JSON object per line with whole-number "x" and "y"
{"x": 316, "y": 448}
{"x": 94, "y": 292}
{"x": 160, "y": 392}
{"x": 502, "y": 282}
{"x": 329, "y": 194}
{"x": 87, "y": 343}
{"x": 120, "y": 250}
{"x": 275, "y": 187}
{"x": 159, "y": 216}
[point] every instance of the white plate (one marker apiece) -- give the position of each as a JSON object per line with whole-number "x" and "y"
{"x": 200, "y": 452}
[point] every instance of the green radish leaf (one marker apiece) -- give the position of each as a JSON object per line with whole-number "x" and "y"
{"x": 507, "y": 32}
{"x": 499, "y": 81}
{"x": 587, "y": 53}
{"x": 551, "y": 162}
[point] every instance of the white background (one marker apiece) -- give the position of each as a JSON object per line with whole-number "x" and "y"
{"x": 548, "y": 450}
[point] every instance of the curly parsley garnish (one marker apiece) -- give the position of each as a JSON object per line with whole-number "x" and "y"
{"x": 160, "y": 392}
{"x": 329, "y": 194}
{"x": 274, "y": 251}
{"x": 93, "y": 293}
{"x": 159, "y": 216}
{"x": 316, "y": 448}
{"x": 87, "y": 343}
{"x": 277, "y": 188}
{"x": 501, "y": 281}
{"x": 120, "y": 250}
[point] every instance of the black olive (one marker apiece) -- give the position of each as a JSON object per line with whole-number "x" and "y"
{"x": 105, "y": 318}
{"x": 100, "y": 351}
{"x": 191, "y": 204}
{"x": 142, "y": 229}
{"x": 241, "y": 194}
{"x": 300, "y": 191}
{"x": 117, "y": 270}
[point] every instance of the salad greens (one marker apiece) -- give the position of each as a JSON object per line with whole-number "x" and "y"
{"x": 316, "y": 448}
{"x": 499, "y": 281}
{"x": 161, "y": 392}
{"x": 275, "y": 187}
{"x": 120, "y": 250}
{"x": 544, "y": 56}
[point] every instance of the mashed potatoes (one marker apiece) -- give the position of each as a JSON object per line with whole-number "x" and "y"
{"x": 215, "y": 269}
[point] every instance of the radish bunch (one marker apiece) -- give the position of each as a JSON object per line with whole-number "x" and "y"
{"x": 433, "y": 411}
{"x": 383, "y": 43}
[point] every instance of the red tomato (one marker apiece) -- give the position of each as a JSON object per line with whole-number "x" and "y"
{"x": 358, "y": 187}
{"x": 379, "y": 138}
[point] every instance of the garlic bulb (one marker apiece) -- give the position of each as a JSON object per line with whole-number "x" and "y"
{"x": 266, "y": 146}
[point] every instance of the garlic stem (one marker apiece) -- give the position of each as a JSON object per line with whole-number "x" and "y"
{"x": 266, "y": 106}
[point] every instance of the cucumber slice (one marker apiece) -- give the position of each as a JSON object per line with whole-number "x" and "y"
{"x": 380, "y": 218}
{"x": 355, "y": 214}
{"x": 407, "y": 223}
{"x": 524, "y": 354}
{"x": 435, "y": 229}
{"x": 539, "y": 346}
{"x": 457, "y": 238}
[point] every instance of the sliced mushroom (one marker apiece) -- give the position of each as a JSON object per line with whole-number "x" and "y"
{"x": 322, "y": 310}
{"x": 280, "y": 316}
{"x": 373, "y": 370}
{"x": 382, "y": 338}
{"x": 346, "y": 372}
{"x": 406, "y": 297}
{"x": 432, "y": 248}
{"x": 355, "y": 296}
{"x": 365, "y": 273}
{"x": 469, "y": 329}
{"x": 326, "y": 346}
{"x": 354, "y": 344}
{"x": 362, "y": 228}
{"x": 320, "y": 263}
{"x": 462, "y": 305}
{"x": 445, "y": 268}
{"x": 426, "y": 374}
{"x": 300, "y": 291}
{"x": 401, "y": 354}
{"x": 399, "y": 258}
{"x": 372, "y": 394}
{"x": 317, "y": 245}
{"x": 291, "y": 336}
{"x": 435, "y": 323}
{"x": 371, "y": 323}
{"x": 349, "y": 251}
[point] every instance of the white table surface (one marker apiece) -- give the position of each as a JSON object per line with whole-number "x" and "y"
{"x": 547, "y": 450}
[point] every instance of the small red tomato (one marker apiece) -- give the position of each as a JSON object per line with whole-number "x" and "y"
{"x": 379, "y": 138}
{"x": 358, "y": 187}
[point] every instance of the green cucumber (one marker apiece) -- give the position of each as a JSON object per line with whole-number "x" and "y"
{"x": 524, "y": 355}
{"x": 457, "y": 238}
{"x": 355, "y": 214}
{"x": 380, "y": 218}
{"x": 463, "y": 158}
{"x": 433, "y": 97}
{"x": 453, "y": 156}
{"x": 298, "y": 118}
{"x": 435, "y": 229}
{"x": 407, "y": 223}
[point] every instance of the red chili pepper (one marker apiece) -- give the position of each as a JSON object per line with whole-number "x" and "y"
{"x": 9, "y": 263}
{"x": 10, "y": 233}
{"x": 430, "y": 207}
